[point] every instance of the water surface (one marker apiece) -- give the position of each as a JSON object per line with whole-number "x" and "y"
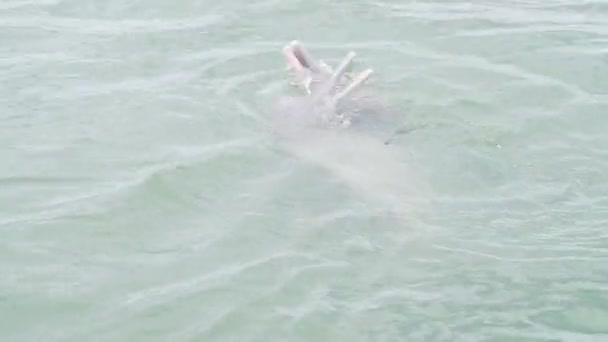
{"x": 143, "y": 198}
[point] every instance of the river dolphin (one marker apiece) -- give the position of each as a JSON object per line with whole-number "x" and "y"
{"x": 322, "y": 125}
{"x": 332, "y": 98}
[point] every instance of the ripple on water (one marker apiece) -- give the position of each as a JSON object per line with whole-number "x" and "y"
{"x": 102, "y": 27}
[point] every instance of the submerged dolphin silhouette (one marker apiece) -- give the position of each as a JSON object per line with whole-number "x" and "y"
{"x": 322, "y": 126}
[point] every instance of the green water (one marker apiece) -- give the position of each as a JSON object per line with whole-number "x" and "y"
{"x": 143, "y": 199}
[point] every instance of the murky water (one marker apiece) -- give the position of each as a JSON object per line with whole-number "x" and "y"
{"x": 143, "y": 198}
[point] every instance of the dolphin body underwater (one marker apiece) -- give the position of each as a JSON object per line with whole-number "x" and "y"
{"x": 326, "y": 125}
